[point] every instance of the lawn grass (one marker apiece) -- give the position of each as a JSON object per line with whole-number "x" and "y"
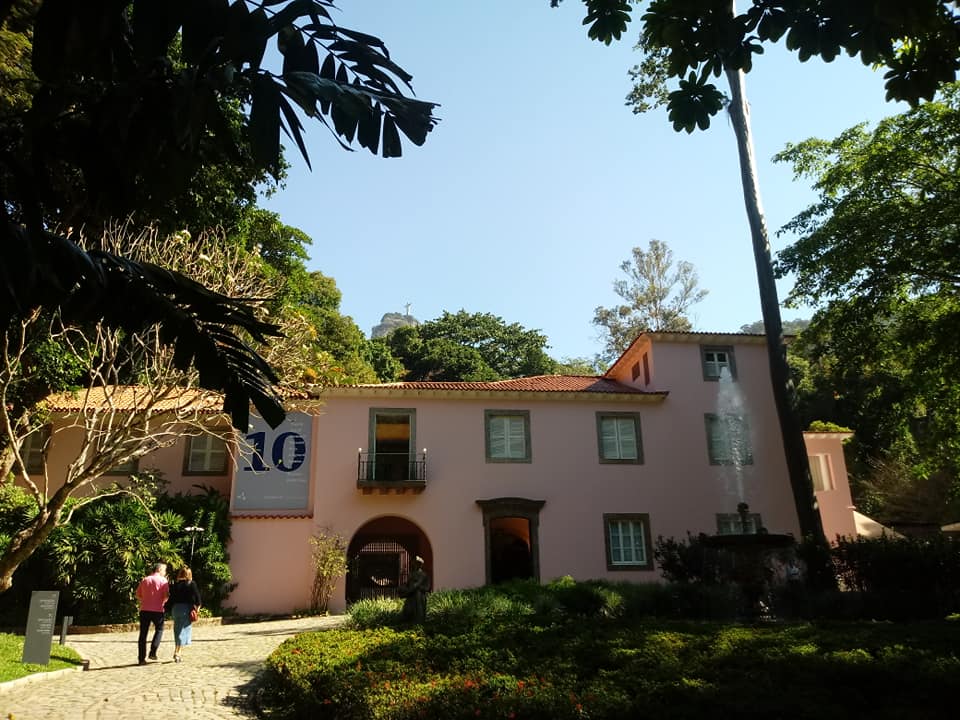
{"x": 11, "y": 651}
{"x": 483, "y": 657}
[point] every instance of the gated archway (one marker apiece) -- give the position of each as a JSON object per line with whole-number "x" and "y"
{"x": 379, "y": 557}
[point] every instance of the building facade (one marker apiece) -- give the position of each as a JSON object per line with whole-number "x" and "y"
{"x": 534, "y": 477}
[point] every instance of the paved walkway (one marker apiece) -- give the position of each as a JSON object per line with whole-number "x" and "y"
{"x": 210, "y": 682}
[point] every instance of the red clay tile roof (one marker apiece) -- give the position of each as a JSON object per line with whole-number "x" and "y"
{"x": 130, "y": 397}
{"x": 124, "y": 398}
{"x": 539, "y": 383}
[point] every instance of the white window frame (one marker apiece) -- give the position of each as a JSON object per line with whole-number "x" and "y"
{"x": 821, "y": 472}
{"x": 627, "y": 541}
{"x": 713, "y": 365}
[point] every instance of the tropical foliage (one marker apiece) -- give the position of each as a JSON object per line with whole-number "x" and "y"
{"x": 98, "y": 559}
{"x": 130, "y": 393}
{"x": 329, "y": 554}
{"x": 697, "y": 40}
{"x": 124, "y": 106}
{"x": 877, "y": 251}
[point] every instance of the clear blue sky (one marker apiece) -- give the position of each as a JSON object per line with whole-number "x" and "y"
{"x": 538, "y": 180}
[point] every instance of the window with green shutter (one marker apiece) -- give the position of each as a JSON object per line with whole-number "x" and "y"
{"x": 32, "y": 450}
{"x": 728, "y": 440}
{"x": 507, "y": 435}
{"x": 618, "y": 437}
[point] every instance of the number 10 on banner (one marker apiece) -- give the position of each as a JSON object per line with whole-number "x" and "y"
{"x": 287, "y": 452}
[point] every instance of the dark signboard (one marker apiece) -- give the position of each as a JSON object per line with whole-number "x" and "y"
{"x": 40, "y": 621}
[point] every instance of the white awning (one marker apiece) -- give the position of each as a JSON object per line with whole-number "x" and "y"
{"x": 870, "y": 528}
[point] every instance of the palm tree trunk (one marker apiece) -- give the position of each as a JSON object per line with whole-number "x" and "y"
{"x": 784, "y": 393}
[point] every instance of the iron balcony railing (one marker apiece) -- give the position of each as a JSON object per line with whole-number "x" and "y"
{"x": 391, "y": 467}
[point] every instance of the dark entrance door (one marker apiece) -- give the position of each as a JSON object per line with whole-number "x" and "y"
{"x": 511, "y": 529}
{"x": 510, "y": 556}
{"x": 392, "y": 445}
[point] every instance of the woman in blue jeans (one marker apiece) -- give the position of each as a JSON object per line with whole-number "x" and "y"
{"x": 184, "y": 597}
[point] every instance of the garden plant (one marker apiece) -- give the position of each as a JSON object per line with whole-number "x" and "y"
{"x": 605, "y": 650}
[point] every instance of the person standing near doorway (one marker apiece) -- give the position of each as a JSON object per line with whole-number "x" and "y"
{"x": 152, "y": 593}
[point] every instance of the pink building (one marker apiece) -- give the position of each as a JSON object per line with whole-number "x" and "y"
{"x": 538, "y": 477}
{"x": 534, "y": 477}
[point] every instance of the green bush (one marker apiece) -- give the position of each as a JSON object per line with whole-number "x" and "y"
{"x": 901, "y": 578}
{"x": 515, "y": 663}
{"x": 211, "y": 562}
{"x": 683, "y": 561}
{"x": 98, "y": 559}
{"x": 376, "y": 612}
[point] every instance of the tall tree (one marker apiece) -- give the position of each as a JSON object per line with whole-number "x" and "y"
{"x": 657, "y": 294}
{"x": 879, "y": 248}
{"x": 127, "y": 105}
{"x": 693, "y": 40}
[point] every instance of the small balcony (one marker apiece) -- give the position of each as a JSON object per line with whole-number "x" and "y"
{"x": 386, "y": 473}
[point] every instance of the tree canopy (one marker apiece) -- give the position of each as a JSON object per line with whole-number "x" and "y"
{"x": 877, "y": 251}
{"x": 885, "y": 219}
{"x": 696, "y": 40}
{"x": 469, "y": 347}
{"x": 657, "y": 294}
{"x": 127, "y": 105}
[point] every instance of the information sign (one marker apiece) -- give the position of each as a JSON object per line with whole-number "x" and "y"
{"x": 40, "y": 621}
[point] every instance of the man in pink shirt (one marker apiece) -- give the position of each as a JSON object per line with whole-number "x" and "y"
{"x": 152, "y": 592}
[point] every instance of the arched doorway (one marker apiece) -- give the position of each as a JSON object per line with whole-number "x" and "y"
{"x": 379, "y": 557}
{"x": 511, "y": 533}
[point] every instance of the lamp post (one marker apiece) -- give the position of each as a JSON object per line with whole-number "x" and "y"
{"x": 194, "y": 530}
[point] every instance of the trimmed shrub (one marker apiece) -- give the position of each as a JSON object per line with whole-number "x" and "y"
{"x": 377, "y": 612}
{"x": 901, "y": 578}
{"x": 565, "y": 667}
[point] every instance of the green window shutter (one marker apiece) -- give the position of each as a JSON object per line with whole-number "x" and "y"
{"x": 618, "y": 437}
{"x": 516, "y": 437}
{"x": 627, "y": 438}
{"x": 716, "y": 445}
{"x": 608, "y": 438}
{"x": 616, "y": 548}
{"x": 498, "y": 437}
